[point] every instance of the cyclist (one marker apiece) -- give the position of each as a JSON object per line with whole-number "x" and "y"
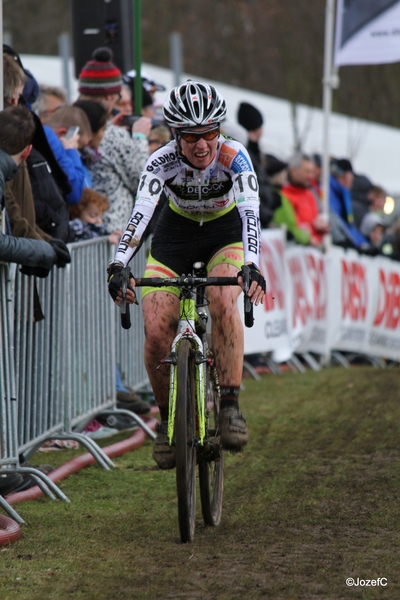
{"x": 212, "y": 215}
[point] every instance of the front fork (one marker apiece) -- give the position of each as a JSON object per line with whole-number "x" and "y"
{"x": 186, "y": 329}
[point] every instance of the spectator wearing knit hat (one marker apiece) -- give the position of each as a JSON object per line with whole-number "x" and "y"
{"x": 122, "y": 155}
{"x": 251, "y": 119}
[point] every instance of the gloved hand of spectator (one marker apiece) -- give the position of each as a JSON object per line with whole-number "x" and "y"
{"x": 62, "y": 252}
{"x": 35, "y": 271}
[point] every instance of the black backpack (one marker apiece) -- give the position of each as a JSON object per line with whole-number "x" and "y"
{"x": 51, "y": 208}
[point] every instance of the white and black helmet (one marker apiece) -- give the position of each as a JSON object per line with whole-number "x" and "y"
{"x": 194, "y": 104}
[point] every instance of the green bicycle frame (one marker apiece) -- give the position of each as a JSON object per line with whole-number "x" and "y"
{"x": 187, "y": 329}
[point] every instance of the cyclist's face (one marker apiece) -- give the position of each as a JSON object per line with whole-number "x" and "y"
{"x": 202, "y": 152}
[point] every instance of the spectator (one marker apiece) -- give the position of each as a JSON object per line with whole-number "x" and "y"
{"x": 65, "y": 150}
{"x": 37, "y": 256}
{"x": 18, "y": 192}
{"x": 124, "y": 105}
{"x": 147, "y": 102}
{"x": 13, "y": 80}
{"x": 390, "y": 244}
{"x": 303, "y": 200}
{"x": 49, "y": 100}
{"x": 251, "y": 119}
{"x": 373, "y": 229}
{"x": 284, "y": 214}
{"x": 377, "y": 199}
{"x": 49, "y": 182}
{"x": 60, "y": 122}
{"x": 87, "y": 218}
{"x": 98, "y": 117}
{"x": 360, "y": 198}
{"x": 147, "y": 82}
{"x": 30, "y": 90}
{"x": 71, "y": 116}
{"x": 316, "y": 160}
{"x": 122, "y": 156}
{"x": 159, "y": 136}
{"x": 343, "y": 230}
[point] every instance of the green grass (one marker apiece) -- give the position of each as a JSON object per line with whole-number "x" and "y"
{"x": 313, "y": 500}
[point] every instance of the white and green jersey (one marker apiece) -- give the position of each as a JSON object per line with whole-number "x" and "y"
{"x": 201, "y": 195}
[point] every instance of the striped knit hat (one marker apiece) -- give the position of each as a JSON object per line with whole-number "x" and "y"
{"x": 100, "y": 77}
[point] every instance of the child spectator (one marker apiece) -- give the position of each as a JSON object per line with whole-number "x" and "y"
{"x": 87, "y": 218}
{"x": 373, "y": 228}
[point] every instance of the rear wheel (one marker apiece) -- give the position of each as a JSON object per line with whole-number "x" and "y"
{"x": 185, "y": 441}
{"x": 211, "y": 460}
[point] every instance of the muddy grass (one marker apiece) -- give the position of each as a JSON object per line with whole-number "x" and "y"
{"x": 313, "y": 501}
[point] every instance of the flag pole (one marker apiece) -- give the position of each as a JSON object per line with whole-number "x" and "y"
{"x": 1, "y": 64}
{"x": 138, "y": 55}
{"x": 329, "y": 82}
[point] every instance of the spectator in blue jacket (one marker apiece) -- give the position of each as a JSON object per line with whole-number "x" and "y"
{"x": 67, "y": 156}
{"x": 59, "y": 122}
{"x": 343, "y": 230}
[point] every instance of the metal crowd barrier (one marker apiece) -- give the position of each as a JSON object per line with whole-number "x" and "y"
{"x": 60, "y": 343}
{"x": 130, "y": 343}
{"x": 9, "y": 404}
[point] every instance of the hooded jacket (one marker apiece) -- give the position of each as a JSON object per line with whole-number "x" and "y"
{"x": 31, "y": 253}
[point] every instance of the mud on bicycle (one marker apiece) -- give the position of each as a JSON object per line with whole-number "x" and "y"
{"x": 194, "y": 395}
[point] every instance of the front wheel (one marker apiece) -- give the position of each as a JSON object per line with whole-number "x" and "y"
{"x": 211, "y": 461}
{"x": 185, "y": 441}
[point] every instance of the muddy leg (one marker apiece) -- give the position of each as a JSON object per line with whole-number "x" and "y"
{"x": 227, "y": 329}
{"x": 160, "y": 312}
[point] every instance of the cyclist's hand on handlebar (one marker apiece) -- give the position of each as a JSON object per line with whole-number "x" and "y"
{"x": 130, "y": 293}
{"x": 114, "y": 280}
{"x": 257, "y": 284}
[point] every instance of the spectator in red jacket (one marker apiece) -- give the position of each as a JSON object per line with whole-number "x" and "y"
{"x": 303, "y": 200}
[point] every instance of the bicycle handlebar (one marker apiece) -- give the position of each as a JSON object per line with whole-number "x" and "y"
{"x": 190, "y": 281}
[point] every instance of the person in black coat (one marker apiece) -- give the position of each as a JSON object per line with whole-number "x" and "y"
{"x": 251, "y": 119}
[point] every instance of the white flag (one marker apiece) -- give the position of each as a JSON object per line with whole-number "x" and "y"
{"x": 367, "y": 32}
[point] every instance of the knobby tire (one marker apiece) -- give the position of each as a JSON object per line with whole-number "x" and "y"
{"x": 185, "y": 438}
{"x": 211, "y": 472}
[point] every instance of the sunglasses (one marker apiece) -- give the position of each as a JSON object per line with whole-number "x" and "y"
{"x": 192, "y": 138}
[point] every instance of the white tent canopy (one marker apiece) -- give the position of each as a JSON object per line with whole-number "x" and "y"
{"x": 374, "y": 149}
